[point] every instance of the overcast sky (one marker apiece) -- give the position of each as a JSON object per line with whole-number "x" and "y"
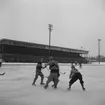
{"x": 76, "y": 23}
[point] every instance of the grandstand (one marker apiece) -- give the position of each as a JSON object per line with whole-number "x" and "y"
{"x": 19, "y": 51}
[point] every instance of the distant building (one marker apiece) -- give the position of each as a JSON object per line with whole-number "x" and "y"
{"x": 18, "y": 51}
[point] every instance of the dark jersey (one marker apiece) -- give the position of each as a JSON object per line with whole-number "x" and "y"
{"x": 53, "y": 66}
{"x": 38, "y": 67}
{"x": 73, "y": 72}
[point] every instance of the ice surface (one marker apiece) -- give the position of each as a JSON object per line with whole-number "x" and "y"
{"x": 16, "y": 86}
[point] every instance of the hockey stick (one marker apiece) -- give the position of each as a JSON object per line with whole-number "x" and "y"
{"x": 2, "y": 74}
{"x": 62, "y": 72}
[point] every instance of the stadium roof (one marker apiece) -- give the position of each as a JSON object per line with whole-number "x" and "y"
{"x": 41, "y": 46}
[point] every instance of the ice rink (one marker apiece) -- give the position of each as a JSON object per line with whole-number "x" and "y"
{"x": 16, "y": 86}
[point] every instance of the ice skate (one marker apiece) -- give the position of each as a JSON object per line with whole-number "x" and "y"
{"x": 53, "y": 85}
{"x": 42, "y": 83}
{"x": 83, "y": 89}
{"x": 69, "y": 89}
{"x": 45, "y": 87}
{"x": 33, "y": 84}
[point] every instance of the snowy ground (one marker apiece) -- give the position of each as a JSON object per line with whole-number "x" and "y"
{"x": 16, "y": 88}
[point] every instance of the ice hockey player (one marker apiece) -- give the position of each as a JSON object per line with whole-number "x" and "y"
{"x": 74, "y": 76}
{"x": 1, "y": 74}
{"x": 80, "y": 65}
{"x": 1, "y": 62}
{"x": 38, "y": 73}
{"x": 54, "y": 72}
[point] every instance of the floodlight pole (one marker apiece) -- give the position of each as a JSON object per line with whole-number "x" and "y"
{"x": 99, "y": 50}
{"x": 50, "y": 29}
